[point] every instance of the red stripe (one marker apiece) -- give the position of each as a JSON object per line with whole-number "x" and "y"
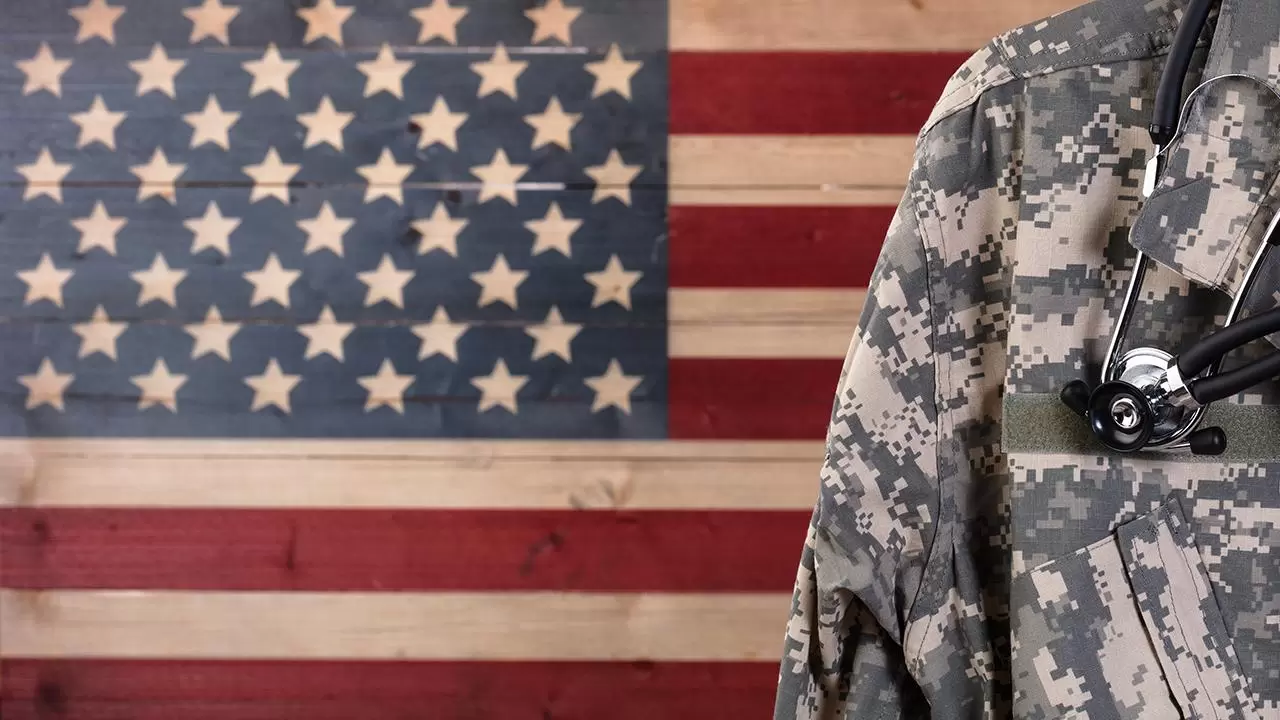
{"x": 388, "y": 550}
{"x": 234, "y": 690}
{"x": 806, "y": 92}
{"x": 751, "y": 399}
{"x": 746, "y": 247}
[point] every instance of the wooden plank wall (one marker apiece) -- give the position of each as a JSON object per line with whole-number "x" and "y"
{"x": 322, "y": 579}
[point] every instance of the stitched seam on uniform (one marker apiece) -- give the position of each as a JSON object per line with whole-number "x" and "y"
{"x": 1125, "y": 53}
{"x": 1176, "y": 614}
{"x": 982, "y": 86}
{"x": 1235, "y": 246}
{"x": 941, "y": 387}
{"x": 977, "y": 81}
{"x": 1165, "y": 516}
{"x": 1182, "y": 267}
{"x": 1152, "y": 630}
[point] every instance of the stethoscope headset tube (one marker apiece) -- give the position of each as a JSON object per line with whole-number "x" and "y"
{"x": 1149, "y": 399}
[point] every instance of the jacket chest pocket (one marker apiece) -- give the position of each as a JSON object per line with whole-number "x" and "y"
{"x": 1127, "y": 627}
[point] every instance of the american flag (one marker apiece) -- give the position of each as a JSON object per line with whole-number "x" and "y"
{"x": 431, "y": 358}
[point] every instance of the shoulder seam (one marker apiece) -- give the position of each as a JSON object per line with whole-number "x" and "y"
{"x": 1159, "y": 42}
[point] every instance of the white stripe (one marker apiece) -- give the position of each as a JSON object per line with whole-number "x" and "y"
{"x": 795, "y": 161}
{"x": 811, "y": 25}
{"x": 762, "y": 323}
{"x": 812, "y": 163}
{"x": 401, "y": 626}
{"x": 410, "y": 474}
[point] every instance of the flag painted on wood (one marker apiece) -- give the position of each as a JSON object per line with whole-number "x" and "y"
{"x": 418, "y": 358}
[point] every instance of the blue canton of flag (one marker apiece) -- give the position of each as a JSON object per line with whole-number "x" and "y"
{"x": 390, "y": 218}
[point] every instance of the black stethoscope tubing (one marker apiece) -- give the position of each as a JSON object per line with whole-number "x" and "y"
{"x": 1206, "y": 355}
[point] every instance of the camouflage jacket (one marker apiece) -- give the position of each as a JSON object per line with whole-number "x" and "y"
{"x": 974, "y": 552}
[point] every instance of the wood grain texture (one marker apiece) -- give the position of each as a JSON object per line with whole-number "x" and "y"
{"x": 373, "y": 23}
{"x": 400, "y": 550}
{"x": 334, "y": 690}
{"x": 775, "y": 247}
{"x": 815, "y": 196}
{"x": 787, "y": 398}
{"x": 841, "y": 25}
{"x": 764, "y": 323}
{"x": 408, "y": 474}
{"x": 384, "y": 626}
{"x": 799, "y": 93}
{"x": 790, "y": 161}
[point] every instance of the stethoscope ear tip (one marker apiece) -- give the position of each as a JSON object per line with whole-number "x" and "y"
{"x": 1075, "y": 395}
{"x": 1207, "y": 441}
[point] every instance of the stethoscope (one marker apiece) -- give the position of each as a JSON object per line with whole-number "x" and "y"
{"x": 1150, "y": 399}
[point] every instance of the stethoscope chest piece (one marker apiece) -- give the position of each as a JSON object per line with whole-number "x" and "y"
{"x": 1122, "y": 412}
{"x": 1120, "y": 416}
{"x": 1148, "y": 399}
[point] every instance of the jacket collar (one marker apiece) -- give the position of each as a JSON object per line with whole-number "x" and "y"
{"x": 1218, "y": 191}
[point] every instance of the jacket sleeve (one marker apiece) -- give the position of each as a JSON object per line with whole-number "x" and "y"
{"x": 874, "y": 521}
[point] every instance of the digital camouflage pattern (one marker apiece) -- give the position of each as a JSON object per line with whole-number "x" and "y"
{"x": 963, "y": 565}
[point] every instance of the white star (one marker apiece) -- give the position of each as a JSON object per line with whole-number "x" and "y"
{"x": 499, "y": 177}
{"x": 272, "y": 387}
{"x": 385, "y": 73}
{"x": 158, "y": 177}
{"x": 211, "y": 125}
{"x": 212, "y": 230}
{"x": 499, "y": 73}
{"x": 499, "y": 387}
{"x": 271, "y": 73}
{"x": 553, "y": 125}
{"x": 553, "y": 336}
{"x": 440, "y": 336}
{"x": 499, "y": 283}
{"x": 44, "y": 177}
{"x": 325, "y": 125}
{"x": 271, "y": 177}
{"x": 46, "y": 386}
{"x": 613, "y": 73}
{"x": 552, "y": 21}
{"x": 325, "y": 336}
{"x": 99, "y": 334}
{"x": 97, "y": 19}
{"x": 211, "y": 20}
{"x": 439, "y": 231}
{"x": 325, "y": 230}
{"x": 385, "y": 283}
{"x": 325, "y": 20}
{"x": 439, "y": 125}
{"x": 385, "y": 178}
{"x": 439, "y": 20}
{"x": 553, "y": 231}
{"x": 159, "y": 387}
{"x": 97, "y": 124}
{"x": 98, "y": 230}
{"x": 613, "y": 388}
{"x": 386, "y": 388}
{"x": 158, "y": 282}
{"x": 44, "y": 72}
{"x": 213, "y": 336}
{"x": 44, "y": 282}
{"x": 613, "y": 283}
{"x": 613, "y": 178}
{"x": 157, "y": 72}
{"x": 272, "y": 282}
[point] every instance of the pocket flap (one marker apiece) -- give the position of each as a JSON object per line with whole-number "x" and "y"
{"x": 1127, "y": 627}
{"x": 1174, "y": 595}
